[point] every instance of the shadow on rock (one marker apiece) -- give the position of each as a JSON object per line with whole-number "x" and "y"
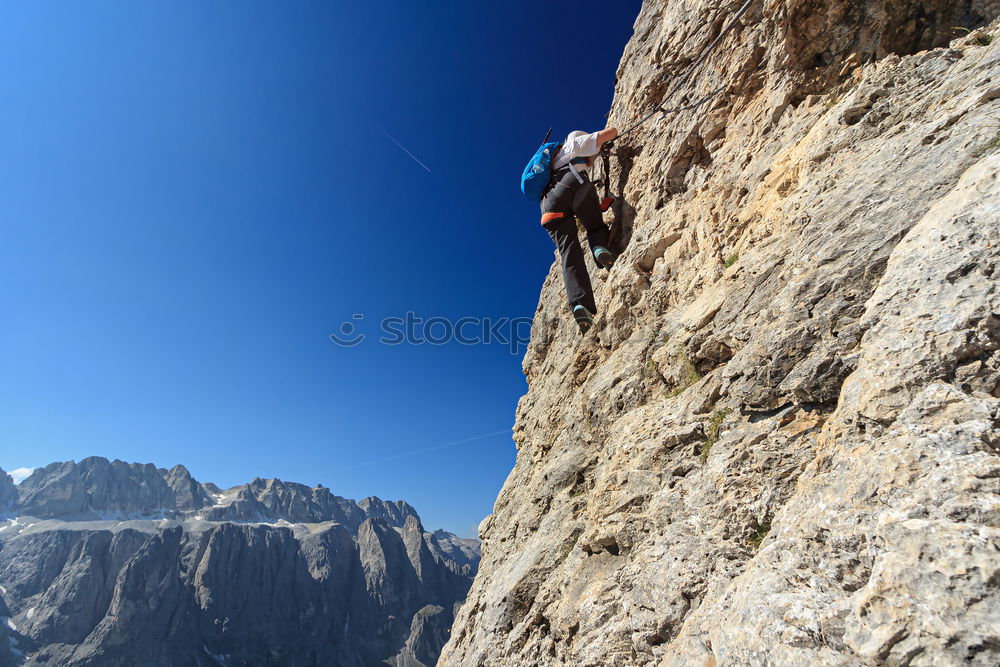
{"x": 623, "y": 212}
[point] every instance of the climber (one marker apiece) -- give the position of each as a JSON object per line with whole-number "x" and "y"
{"x": 571, "y": 196}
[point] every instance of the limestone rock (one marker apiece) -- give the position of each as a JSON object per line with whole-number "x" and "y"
{"x": 8, "y": 493}
{"x": 114, "y": 563}
{"x": 428, "y": 632}
{"x": 450, "y": 548}
{"x": 274, "y": 499}
{"x": 95, "y": 486}
{"x": 188, "y": 493}
{"x": 779, "y": 444}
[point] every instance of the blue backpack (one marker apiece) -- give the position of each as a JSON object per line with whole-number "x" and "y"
{"x": 538, "y": 173}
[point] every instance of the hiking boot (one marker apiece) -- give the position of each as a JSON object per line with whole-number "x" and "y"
{"x": 604, "y": 257}
{"x": 584, "y": 318}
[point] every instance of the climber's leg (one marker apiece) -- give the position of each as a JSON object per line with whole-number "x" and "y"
{"x": 578, "y": 288}
{"x": 588, "y": 210}
{"x": 584, "y": 318}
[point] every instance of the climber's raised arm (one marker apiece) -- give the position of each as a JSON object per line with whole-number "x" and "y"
{"x": 604, "y": 136}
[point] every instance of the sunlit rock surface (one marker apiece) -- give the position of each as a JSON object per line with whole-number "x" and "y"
{"x": 779, "y": 445}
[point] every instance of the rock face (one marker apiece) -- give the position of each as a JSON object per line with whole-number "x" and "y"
{"x": 8, "y": 494}
{"x": 779, "y": 444}
{"x": 126, "y": 564}
{"x": 96, "y": 486}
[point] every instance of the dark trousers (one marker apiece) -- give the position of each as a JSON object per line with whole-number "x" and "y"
{"x": 575, "y": 201}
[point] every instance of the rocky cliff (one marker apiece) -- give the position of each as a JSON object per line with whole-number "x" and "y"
{"x": 779, "y": 445}
{"x": 112, "y": 563}
{"x": 8, "y": 494}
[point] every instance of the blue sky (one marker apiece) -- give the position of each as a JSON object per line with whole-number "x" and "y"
{"x": 196, "y": 194}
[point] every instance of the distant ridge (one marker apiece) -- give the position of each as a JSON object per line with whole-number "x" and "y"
{"x": 108, "y": 562}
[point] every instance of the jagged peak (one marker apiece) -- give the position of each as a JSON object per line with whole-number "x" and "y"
{"x": 179, "y": 470}
{"x": 96, "y": 487}
{"x": 8, "y": 493}
{"x": 412, "y": 523}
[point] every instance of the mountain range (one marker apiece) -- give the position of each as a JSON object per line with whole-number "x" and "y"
{"x": 108, "y": 562}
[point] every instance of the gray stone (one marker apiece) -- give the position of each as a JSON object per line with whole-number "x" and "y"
{"x": 269, "y": 573}
{"x": 779, "y": 443}
{"x": 8, "y": 494}
{"x": 95, "y": 487}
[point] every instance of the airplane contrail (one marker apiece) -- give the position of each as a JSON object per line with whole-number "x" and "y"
{"x": 430, "y": 449}
{"x": 403, "y": 148}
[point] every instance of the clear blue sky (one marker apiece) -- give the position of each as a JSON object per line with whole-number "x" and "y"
{"x": 196, "y": 194}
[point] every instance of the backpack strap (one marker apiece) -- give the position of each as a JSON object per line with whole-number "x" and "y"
{"x": 572, "y": 167}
